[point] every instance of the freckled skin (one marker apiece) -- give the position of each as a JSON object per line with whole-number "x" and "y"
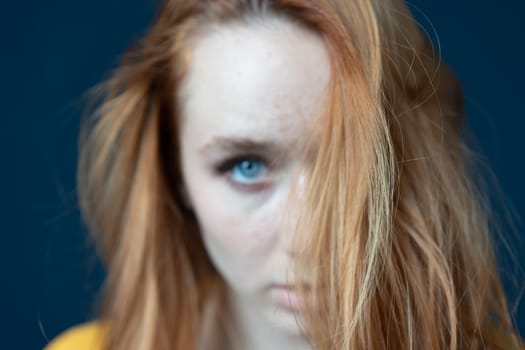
{"x": 262, "y": 80}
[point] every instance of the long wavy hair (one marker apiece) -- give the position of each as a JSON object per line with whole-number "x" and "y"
{"x": 395, "y": 230}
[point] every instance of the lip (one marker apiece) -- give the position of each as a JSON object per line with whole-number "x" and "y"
{"x": 285, "y": 296}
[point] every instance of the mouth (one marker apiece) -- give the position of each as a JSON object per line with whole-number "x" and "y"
{"x": 285, "y": 296}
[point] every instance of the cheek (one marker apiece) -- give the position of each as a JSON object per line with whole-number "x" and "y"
{"x": 231, "y": 231}
{"x": 239, "y": 230}
{"x": 241, "y": 245}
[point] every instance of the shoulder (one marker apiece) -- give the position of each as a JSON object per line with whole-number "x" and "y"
{"x": 87, "y": 336}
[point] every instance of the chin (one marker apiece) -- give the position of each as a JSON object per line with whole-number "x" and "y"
{"x": 287, "y": 321}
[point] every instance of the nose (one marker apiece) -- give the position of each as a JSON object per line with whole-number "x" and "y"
{"x": 290, "y": 212}
{"x": 301, "y": 186}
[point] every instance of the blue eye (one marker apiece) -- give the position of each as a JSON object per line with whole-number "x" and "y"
{"x": 244, "y": 169}
{"x": 248, "y": 170}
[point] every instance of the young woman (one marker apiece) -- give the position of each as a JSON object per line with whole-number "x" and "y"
{"x": 286, "y": 174}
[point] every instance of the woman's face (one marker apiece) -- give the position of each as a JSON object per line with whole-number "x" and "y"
{"x": 251, "y": 93}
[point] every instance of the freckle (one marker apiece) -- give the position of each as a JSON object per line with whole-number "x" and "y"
{"x": 277, "y": 101}
{"x": 283, "y": 128}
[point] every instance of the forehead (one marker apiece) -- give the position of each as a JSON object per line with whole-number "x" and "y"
{"x": 264, "y": 78}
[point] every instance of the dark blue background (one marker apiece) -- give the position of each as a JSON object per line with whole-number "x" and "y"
{"x": 53, "y": 51}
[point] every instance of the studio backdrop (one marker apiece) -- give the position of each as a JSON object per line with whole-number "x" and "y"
{"x": 54, "y": 51}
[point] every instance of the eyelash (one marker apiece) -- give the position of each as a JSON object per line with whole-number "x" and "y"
{"x": 229, "y": 163}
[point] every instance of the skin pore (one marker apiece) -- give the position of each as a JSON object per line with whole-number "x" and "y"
{"x": 251, "y": 92}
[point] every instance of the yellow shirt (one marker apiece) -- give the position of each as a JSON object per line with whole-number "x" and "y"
{"x": 88, "y": 337}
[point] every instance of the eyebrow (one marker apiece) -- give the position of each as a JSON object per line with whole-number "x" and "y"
{"x": 240, "y": 144}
